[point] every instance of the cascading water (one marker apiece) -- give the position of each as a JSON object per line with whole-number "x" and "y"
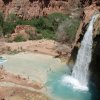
{"x": 80, "y": 72}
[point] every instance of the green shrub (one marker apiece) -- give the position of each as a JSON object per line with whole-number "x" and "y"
{"x": 10, "y": 24}
{"x": 72, "y": 28}
{"x": 8, "y": 27}
{"x": 50, "y": 22}
{"x": 1, "y": 19}
{"x": 46, "y": 27}
{"x": 19, "y": 38}
{"x": 48, "y": 34}
{"x": 55, "y": 19}
{"x": 12, "y": 18}
{"x": 67, "y": 30}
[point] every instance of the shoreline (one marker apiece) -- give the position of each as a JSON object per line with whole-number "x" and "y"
{"x": 14, "y": 78}
{"x": 43, "y": 46}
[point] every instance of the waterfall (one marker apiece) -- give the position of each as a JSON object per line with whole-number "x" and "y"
{"x": 80, "y": 72}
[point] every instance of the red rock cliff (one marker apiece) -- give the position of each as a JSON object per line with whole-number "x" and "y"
{"x": 29, "y": 8}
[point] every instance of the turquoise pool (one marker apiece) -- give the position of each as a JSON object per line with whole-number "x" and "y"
{"x": 51, "y": 72}
{"x": 63, "y": 91}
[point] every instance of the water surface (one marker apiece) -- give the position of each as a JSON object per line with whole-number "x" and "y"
{"x": 51, "y": 72}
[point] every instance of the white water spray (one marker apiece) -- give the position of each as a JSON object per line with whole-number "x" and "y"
{"x": 79, "y": 78}
{"x": 80, "y": 70}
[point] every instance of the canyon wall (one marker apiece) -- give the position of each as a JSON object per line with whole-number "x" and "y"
{"x": 34, "y": 8}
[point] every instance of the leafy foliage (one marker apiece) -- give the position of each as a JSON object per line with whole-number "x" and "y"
{"x": 67, "y": 30}
{"x": 19, "y": 38}
{"x": 46, "y": 27}
{"x": 72, "y": 28}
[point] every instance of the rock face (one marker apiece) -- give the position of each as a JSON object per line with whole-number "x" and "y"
{"x": 29, "y": 8}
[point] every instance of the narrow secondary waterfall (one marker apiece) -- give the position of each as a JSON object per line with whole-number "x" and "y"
{"x": 80, "y": 70}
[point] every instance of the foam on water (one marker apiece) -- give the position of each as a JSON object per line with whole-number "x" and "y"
{"x": 71, "y": 81}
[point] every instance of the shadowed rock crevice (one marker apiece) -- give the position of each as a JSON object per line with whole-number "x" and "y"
{"x": 45, "y": 2}
{"x": 32, "y": 1}
{"x": 86, "y": 2}
{"x": 98, "y": 3}
{"x": 73, "y": 55}
{"x": 95, "y": 63}
{"x": 7, "y": 1}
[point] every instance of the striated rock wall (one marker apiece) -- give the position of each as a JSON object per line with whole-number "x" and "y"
{"x": 29, "y": 8}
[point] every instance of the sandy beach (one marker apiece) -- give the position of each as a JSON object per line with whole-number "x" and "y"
{"x": 29, "y": 72}
{"x": 38, "y": 46}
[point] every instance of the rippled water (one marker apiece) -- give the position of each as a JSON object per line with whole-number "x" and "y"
{"x": 59, "y": 89}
